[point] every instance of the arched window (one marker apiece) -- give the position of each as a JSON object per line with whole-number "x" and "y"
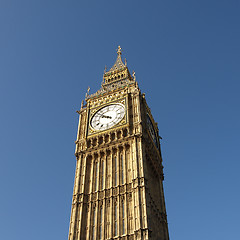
{"x": 101, "y": 224}
{"x": 123, "y": 217}
{"x": 96, "y": 177}
{"x": 102, "y": 176}
{"x": 122, "y": 169}
{"x": 115, "y": 219}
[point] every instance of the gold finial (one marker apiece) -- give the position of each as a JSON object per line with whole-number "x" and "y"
{"x": 82, "y": 104}
{"x": 119, "y": 51}
{"x": 105, "y": 69}
{"x": 125, "y": 62}
{"x": 134, "y": 77}
{"x": 87, "y": 93}
{"x": 136, "y": 85}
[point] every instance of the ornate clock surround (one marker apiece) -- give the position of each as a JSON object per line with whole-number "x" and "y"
{"x": 96, "y": 107}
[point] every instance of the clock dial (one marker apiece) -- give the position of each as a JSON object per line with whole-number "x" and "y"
{"x": 151, "y": 130}
{"x": 107, "y": 116}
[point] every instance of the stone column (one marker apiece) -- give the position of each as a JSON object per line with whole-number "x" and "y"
{"x": 118, "y": 166}
{"x": 81, "y": 191}
{"x": 73, "y": 223}
{"x": 136, "y": 194}
{"x": 124, "y": 165}
{"x": 89, "y": 212}
{"x": 110, "y": 168}
{"x": 96, "y": 221}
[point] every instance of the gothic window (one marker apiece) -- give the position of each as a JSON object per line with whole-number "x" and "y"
{"x": 100, "y": 140}
{"x": 102, "y": 175}
{"x": 128, "y": 174}
{"x": 101, "y": 224}
{"x": 106, "y": 138}
{"x": 123, "y": 217}
{"x": 129, "y": 212}
{"x": 109, "y": 168}
{"x": 115, "y": 219}
{"x": 115, "y": 169}
{"x": 89, "y": 143}
{"x": 94, "y": 142}
{"x": 118, "y": 134}
{"x": 96, "y": 176}
{"x": 122, "y": 169}
{"x": 112, "y": 136}
{"x": 108, "y": 219}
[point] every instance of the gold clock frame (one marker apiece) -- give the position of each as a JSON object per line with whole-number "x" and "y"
{"x": 91, "y": 131}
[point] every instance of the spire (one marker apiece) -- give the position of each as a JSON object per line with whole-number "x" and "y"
{"x": 119, "y": 50}
{"x": 117, "y": 77}
{"x": 118, "y": 64}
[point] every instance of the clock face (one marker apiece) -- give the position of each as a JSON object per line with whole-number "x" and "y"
{"x": 107, "y": 116}
{"x": 151, "y": 130}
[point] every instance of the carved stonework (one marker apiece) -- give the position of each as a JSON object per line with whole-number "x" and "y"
{"x": 107, "y": 193}
{"x": 101, "y": 195}
{"x": 115, "y": 191}
{"x": 129, "y": 197}
{"x": 94, "y": 196}
{"x": 122, "y": 189}
{"x": 119, "y": 173}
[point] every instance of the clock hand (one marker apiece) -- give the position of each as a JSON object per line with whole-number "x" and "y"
{"x": 103, "y": 116}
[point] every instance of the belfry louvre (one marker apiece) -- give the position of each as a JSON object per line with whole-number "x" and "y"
{"x": 118, "y": 189}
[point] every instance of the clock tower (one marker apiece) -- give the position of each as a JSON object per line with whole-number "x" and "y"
{"x": 118, "y": 188}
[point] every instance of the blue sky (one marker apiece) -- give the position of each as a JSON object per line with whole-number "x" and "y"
{"x": 186, "y": 58}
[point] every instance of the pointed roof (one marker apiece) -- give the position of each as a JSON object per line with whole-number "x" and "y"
{"x": 117, "y": 77}
{"x": 118, "y": 64}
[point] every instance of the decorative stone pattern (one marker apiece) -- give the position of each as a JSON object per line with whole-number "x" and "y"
{"x": 118, "y": 190}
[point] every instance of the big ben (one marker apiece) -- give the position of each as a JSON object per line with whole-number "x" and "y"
{"x": 118, "y": 189}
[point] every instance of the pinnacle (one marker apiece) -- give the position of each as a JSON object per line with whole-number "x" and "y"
{"x": 119, "y": 63}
